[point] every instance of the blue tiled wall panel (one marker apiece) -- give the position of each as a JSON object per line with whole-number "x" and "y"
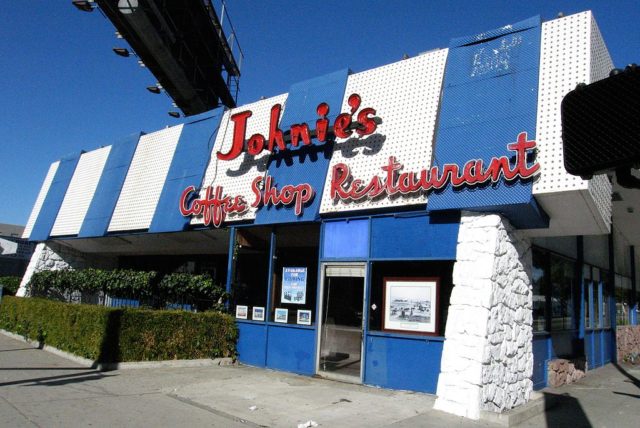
{"x": 346, "y": 239}
{"x": 55, "y": 196}
{"x": 187, "y": 168}
{"x": 291, "y": 349}
{"x": 414, "y": 237}
{"x": 252, "y": 343}
{"x": 98, "y": 217}
{"x": 400, "y": 363}
{"x": 304, "y": 164}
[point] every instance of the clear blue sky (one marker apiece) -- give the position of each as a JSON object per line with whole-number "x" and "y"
{"x": 63, "y": 90}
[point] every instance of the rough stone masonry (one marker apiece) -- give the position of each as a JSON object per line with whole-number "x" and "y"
{"x": 487, "y": 360}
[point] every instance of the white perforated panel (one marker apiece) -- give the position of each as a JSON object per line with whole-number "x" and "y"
{"x": 80, "y": 192}
{"x": 406, "y": 95}
{"x": 235, "y": 176}
{"x": 564, "y": 62}
{"x": 145, "y": 180}
{"x": 601, "y": 65}
{"x": 40, "y": 199}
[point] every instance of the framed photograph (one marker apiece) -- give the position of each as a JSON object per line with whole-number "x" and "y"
{"x": 411, "y": 305}
{"x": 294, "y": 285}
{"x": 258, "y": 313}
{"x": 304, "y": 316}
{"x": 241, "y": 312}
{"x": 282, "y": 315}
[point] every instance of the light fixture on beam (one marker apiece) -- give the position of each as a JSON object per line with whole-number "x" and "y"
{"x": 85, "y": 6}
{"x": 123, "y": 52}
{"x": 154, "y": 89}
{"x": 118, "y": 35}
{"x": 174, "y": 114}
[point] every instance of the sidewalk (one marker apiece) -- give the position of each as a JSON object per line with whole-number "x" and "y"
{"x": 41, "y": 389}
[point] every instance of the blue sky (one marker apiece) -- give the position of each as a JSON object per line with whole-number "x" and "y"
{"x": 63, "y": 90}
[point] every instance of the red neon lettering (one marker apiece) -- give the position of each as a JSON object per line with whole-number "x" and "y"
{"x": 239, "y": 130}
{"x": 214, "y": 206}
{"x": 345, "y": 187}
{"x": 342, "y": 128}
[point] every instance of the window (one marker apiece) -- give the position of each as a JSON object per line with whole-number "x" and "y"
{"x": 295, "y": 273}
{"x": 415, "y": 269}
{"x": 586, "y": 273}
{"x": 595, "y": 298}
{"x": 553, "y": 283}
{"x": 539, "y": 290}
{"x": 250, "y": 278}
{"x": 606, "y": 299}
{"x": 562, "y": 280}
{"x": 623, "y": 299}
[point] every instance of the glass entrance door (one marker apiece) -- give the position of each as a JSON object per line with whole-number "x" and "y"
{"x": 341, "y": 322}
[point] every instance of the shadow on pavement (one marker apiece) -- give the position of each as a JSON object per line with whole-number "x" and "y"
{"x": 58, "y": 380}
{"x": 633, "y": 379}
{"x": 564, "y": 410}
{"x": 18, "y": 349}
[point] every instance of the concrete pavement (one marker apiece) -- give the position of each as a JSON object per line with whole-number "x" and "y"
{"x": 41, "y": 389}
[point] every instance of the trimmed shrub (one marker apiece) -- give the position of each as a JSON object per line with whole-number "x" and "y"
{"x": 118, "y": 335}
{"x": 119, "y": 282}
{"x": 177, "y": 287}
{"x": 10, "y": 285}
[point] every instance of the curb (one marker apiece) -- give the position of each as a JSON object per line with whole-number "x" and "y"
{"x": 85, "y": 362}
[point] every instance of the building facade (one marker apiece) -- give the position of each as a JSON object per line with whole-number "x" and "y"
{"x": 410, "y": 226}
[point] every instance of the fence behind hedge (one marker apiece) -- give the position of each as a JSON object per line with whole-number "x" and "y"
{"x": 118, "y": 335}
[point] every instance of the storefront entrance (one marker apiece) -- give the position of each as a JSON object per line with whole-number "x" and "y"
{"x": 341, "y": 322}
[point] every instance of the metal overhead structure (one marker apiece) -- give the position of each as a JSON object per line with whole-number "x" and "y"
{"x": 184, "y": 45}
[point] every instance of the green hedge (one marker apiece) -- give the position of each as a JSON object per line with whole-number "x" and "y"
{"x": 117, "y": 335}
{"x": 150, "y": 287}
{"x": 10, "y": 285}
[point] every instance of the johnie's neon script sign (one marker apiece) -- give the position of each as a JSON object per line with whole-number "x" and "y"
{"x": 342, "y": 128}
{"x": 215, "y": 205}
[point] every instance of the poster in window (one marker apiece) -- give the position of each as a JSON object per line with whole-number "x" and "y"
{"x": 294, "y": 285}
{"x": 411, "y": 305}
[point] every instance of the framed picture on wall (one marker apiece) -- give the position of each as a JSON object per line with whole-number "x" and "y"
{"x": 241, "y": 312}
{"x": 282, "y": 315}
{"x": 258, "y": 313}
{"x": 411, "y": 305}
{"x": 304, "y": 317}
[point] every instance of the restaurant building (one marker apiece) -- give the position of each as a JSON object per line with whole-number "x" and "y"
{"x": 410, "y": 226}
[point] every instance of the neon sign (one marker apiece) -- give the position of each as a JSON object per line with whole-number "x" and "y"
{"x": 215, "y": 205}
{"x": 345, "y": 188}
{"x": 342, "y": 127}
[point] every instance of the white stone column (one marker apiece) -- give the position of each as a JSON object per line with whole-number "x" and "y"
{"x": 487, "y": 359}
{"x": 50, "y": 256}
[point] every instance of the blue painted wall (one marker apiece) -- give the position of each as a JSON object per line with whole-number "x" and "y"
{"x": 402, "y": 362}
{"x": 52, "y": 202}
{"x": 252, "y": 343}
{"x": 187, "y": 168}
{"x": 500, "y": 68}
{"x": 346, "y": 239}
{"x": 291, "y": 349}
{"x": 541, "y": 354}
{"x": 96, "y": 221}
{"x": 415, "y": 236}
